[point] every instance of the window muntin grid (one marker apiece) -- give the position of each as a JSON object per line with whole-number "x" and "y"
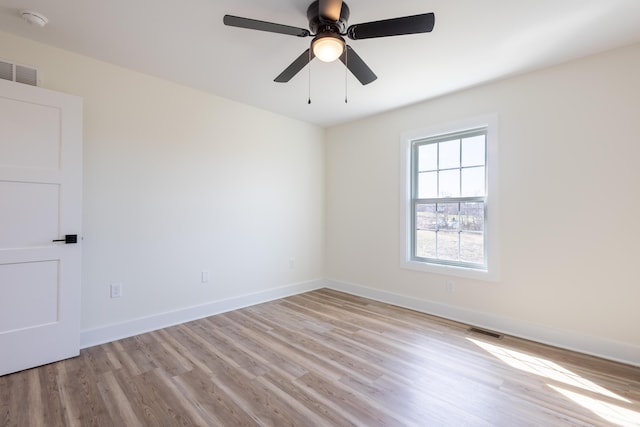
{"x": 448, "y": 199}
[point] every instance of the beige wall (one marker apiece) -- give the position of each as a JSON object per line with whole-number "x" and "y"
{"x": 177, "y": 181}
{"x": 569, "y": 201}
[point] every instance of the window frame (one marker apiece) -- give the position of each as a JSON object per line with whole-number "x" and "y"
{"x": 417, "y": 200}
{"x": 490, "y": 271}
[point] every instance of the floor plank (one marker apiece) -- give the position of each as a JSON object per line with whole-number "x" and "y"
{"x": 323, "y": 358}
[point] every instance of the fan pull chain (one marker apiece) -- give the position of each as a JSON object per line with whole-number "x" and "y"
{"x": 309, "y": 66}
{"x": 346, "y": 74}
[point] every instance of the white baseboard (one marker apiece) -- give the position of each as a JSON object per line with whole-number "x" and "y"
{"x": 91, "y": 337}
{"x": 595, "y": 346}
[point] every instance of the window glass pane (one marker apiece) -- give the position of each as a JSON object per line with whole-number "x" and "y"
{"x": 472, "y": 247}
{"x": 425, "y": 244}
{"x": 428, "y": 157}
{"x": 450, "y": 183}
{"x": 473, "y": 151}
{"x": 449, "y": 154}
{"x": 427, "y": 185}
{"x": 448, "y": 215}
{"x": 472, "y": 217}
{"x": 473, "y": 182}
{"x": 449, "y": 231}
{"x": 448, "y": 245}
{"x": 426, "y": 217}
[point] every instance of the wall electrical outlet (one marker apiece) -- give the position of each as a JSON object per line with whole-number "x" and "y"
{"x": 204, "y": 276}
{"x": 116, "y": 290}
{"x": 450, "y": 286}
{"x": 292, "y": 263}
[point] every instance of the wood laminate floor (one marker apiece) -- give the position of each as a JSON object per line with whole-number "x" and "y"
{"x": 323, "y": 358}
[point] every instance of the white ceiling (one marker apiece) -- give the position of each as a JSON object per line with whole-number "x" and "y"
{"x": 185, "y": 41}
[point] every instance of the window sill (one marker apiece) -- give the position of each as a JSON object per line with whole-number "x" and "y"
{"x": 449, "y": 270}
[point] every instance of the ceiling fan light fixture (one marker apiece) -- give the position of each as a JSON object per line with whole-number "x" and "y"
{"x": 328, "y": 26}
{"x": 328, "y": 48}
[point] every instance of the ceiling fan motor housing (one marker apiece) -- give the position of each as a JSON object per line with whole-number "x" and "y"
{"x": 318, "y": 24}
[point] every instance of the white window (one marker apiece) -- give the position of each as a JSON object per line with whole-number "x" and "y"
{"x": 447, "y": 226}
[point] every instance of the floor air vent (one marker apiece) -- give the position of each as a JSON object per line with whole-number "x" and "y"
{"x": 485, "y": 332}
{"x": 18, "y": 73}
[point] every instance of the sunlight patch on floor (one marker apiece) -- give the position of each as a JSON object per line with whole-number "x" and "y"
{"x": 551, "y": 370}
{"x": 612, "y": 413}
{"x": 544, "y": 368}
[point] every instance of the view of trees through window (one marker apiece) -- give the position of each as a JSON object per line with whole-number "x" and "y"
{"x": 450, "y": 231}
{"x": 449, "y": 198}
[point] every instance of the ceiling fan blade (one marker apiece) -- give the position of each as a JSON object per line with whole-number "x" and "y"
{"x": 356, "y": 65}
{"x": 254, "y": 24}
{"x": 295, "y": 67}
{"x": 392, "y": 27}
{"x": 330, "y": 9}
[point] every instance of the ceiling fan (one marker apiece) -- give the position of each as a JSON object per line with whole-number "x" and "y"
{"x": 328, "y": 25}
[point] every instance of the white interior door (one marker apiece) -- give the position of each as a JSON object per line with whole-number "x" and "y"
{"x": 40, "y": 201}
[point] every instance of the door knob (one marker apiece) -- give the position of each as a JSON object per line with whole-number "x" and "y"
{"x": 68, "y": 238}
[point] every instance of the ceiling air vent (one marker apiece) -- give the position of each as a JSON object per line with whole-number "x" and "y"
{"x": 18, "y": 73}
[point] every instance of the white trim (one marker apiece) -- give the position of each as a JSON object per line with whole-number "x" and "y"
{"x": 493, "y": 254}
{"x": 91, "y": 337}
{"x": 574, "y": 341}
{"x": 570, "y": 340}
